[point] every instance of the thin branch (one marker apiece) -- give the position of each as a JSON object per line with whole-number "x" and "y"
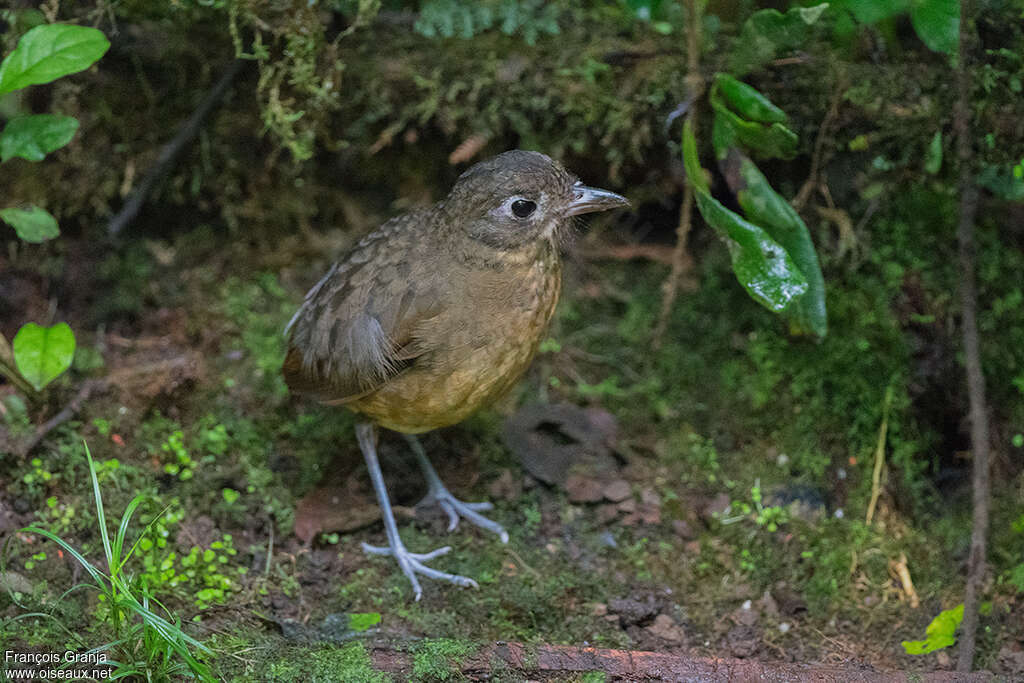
{"x": 681, "y": 259}
{"x": 972, "y": 354}
{"x": 819, "y": 146}
{"x": 69, "y": 411}
{"x": 876, "y": 474}
{"x": 169, "y": 152}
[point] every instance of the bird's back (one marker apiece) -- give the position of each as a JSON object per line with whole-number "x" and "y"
{"x": 417, "y": 327}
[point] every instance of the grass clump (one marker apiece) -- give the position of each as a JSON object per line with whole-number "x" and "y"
{"x": 143, "y": 642}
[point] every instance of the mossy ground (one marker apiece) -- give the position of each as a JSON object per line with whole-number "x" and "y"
{"x": 719, "y": 428}
{"x": 720, "y": 414}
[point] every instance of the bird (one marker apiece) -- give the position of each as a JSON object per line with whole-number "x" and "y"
{"x": 437, "y": 313}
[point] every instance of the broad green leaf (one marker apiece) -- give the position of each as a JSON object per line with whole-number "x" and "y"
{"x": 761, "y": 264}
{"x": 933, "y": 159}
{"x": 768, "y": 32}
{"x": 747, "y": 101}
{"x": 767, "y": 139}
{"x": 48, "y": 52}
{"x": 33, "y": 137}
{"x": 764, "y": 206}
{"x": 32, "y": 224}
{"x": 873, "y": 11}
{"x": 773, "y": 140}
{"x": 939, "y": 634}
{"x": 937, "y": 23}
{"x": 43, "y": 353}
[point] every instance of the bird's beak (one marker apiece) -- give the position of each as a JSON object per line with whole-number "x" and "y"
{"x": 590, "y": 199}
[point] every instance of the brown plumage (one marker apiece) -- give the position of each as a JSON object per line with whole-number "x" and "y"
{"x": 440, "y": 311}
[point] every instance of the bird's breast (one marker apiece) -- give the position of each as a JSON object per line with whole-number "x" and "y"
{"x": 474, "y": 351}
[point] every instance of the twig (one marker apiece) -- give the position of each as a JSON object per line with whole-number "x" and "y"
{"x": 819, "y": 145}
{"x": 169, "y": 153}
{"x": 680, "y": 256}
{"x": 270, "y": 548}
{"x": 69, "y": 411}
{"x": 972, "y": 355}
{"x": 876, "y": 474}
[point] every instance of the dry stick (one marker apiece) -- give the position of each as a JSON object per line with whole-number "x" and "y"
{"x": 876, "y": 474}
{"x": 819, "y": 146}
{"x": 680, "y": 256}
{"x": 69, "y": 411}
{"x": 169, "y": 153}
{"x": 972, "y": 356}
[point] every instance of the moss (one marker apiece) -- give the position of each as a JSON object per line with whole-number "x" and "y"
{"x": 349, "y": 662}
{"x": 439, "y": 660}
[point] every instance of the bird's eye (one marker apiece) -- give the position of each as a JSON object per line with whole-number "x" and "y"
{"x": 521, "y": 208}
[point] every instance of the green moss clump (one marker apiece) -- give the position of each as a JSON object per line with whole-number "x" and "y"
{"x": 438, "y": 660}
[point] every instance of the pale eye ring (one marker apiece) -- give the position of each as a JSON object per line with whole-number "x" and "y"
{"x": 522, "y": 208}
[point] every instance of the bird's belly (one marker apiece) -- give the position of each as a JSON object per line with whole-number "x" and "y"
{"x": 466, "y": 375}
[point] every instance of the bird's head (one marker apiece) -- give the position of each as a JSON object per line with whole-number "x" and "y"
{"x": 517, "y": 198}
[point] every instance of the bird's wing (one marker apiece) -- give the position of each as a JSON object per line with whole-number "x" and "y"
{"x": 356, "y": 328}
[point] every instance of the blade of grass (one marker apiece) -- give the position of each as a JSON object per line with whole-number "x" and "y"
{"x": 122, "y": 529}
{"x": 100, "y": 517}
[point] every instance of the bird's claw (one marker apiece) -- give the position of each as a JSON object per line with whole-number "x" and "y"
{"x": 412, "y": 564}
{"x": 456, "y": 509}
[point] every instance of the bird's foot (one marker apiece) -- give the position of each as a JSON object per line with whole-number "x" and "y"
{"x": 412, "y": 564}
{"x": 456, "y": 509}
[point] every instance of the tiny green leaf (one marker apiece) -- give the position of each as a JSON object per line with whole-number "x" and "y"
{"x": 939, "y": 634}
{"x": 43, "y": 353}
{"x": 933, "y": 158}
{"x": 32, "y": 224}
{"x": 33, "y": 137}
{"x": 363, "y": 621}
{"x": 46, "y": 53}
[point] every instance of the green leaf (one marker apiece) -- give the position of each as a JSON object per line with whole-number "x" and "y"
{"x": 937, "y": 23}
{"x": 939, "y": 634}
{"x": 747, "y": 101}
{"x": 33, "y": 137}
{"x": 32, "y": 224}
{"x": 764, "y": 206}
{"x": 768, "y": 32}
{"x": 933, "y": 159}
{"x": 48, "y": 52}
{"x": 761, "y": 265}
{"x": 772, "y": 141}
{"x": 363, "y": 621}
{"x": 43, "y": 353}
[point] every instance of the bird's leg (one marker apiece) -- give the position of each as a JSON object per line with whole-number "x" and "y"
{"x": 452, "y": 506}
{"x": 410, "y": 563}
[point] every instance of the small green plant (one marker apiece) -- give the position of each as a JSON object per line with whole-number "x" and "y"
{"x": 768, "y": 518}
{"x": 451, "y": 18}
{"x": 941, "y": 633}
{"x": 144, "y": 644}
{"x": 181, "y": 465}
{"x": 44, "y": 54}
